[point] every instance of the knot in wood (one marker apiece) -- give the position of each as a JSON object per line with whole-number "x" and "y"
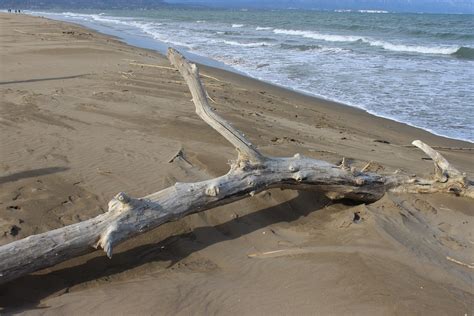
{"x": 455, "y": 188}
{"x": 123, "y": 198}
{"x": 242, "y": 164}
{"x": 299, "y": 177}
{"x": 293, "y": 168}
{"x": 359, "y": 181}
{"x": 212, "y": 190}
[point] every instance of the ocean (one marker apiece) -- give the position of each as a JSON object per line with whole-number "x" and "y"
{"x": 414, "y": 68}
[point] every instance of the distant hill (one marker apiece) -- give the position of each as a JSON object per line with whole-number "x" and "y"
{"x": 81, "y": 4}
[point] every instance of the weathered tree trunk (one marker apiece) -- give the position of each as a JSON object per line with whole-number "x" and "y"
{"x": 252, "y": 172}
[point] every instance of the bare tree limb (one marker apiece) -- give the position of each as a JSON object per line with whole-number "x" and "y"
{"x": 190, "y": 74}
{"x": 252, "y": 173}
{"x": 443, "y": 168}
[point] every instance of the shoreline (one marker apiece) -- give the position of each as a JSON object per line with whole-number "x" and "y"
{"x": 213, "y": 65}
{"x": 84, "y": 116}
{"x": 348, "y": 111}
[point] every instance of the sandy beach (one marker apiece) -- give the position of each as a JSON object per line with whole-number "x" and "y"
{"x": 85, "y": 116}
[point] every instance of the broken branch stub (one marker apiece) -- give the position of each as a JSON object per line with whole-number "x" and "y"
{"x": 252, "y": 173}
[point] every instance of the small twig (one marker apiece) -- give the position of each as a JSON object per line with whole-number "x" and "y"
{"x": 443, "y": 148}
{"x": 179, "y": 154}
{"x": 460, "y": 263}
{"x": 153, "y": 66}
{"x": 344, "y": 165}
{"x": 103, "y": 172}
{"x": 367, "y": 166}
{"x": 209, "y": 97}
{"x": 126, "y": 73}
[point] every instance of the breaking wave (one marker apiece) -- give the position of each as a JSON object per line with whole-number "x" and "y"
{"x": 300, "y": 47}
{"x": 256, "y": 44}
{"x": 351, "y": 60}
{"x": 442, "y": 50}
{"x": 320, "y": 36}
{"x": 463, "y": 52}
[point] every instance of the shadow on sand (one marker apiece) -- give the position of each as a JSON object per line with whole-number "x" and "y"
{"x": 31, "y": 173}
{"x": 41, "y": 79}
{"x": 28, "y": 291}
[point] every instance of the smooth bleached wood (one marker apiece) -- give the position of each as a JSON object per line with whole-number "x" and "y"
{"x": 190, "y": 74}
{"x": 251, "y": 173}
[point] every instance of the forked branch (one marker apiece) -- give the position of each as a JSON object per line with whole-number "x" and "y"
{"x": 253, "y": 172}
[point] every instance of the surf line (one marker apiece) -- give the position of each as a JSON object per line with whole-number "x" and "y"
{"x": 170, "y": 68}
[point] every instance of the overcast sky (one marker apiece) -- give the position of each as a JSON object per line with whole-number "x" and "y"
{"x": 438, "y": 6}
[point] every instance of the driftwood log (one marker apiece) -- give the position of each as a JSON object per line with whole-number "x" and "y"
{"x": 252, "y": 172}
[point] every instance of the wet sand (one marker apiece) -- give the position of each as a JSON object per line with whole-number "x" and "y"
{"x": 84, "y": 116}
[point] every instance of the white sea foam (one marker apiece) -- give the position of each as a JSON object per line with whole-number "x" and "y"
{"x": 164, "y": 36}
{"x": 318, "y": 61}
{"x": 335, "y": 50}
{"x": 361, "y": 11}
{"x": 149, "y": 28}
{"x": 256, "y": 44}
{"x": 72, "y": 14}
{"x": 320, "y": 36}
{"x": 443, "y": 50}
{"x": 101, "y": 17}
{"x": 372, "y": 11}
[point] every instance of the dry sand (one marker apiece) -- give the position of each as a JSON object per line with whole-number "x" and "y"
{"x": 80, "y": 122}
